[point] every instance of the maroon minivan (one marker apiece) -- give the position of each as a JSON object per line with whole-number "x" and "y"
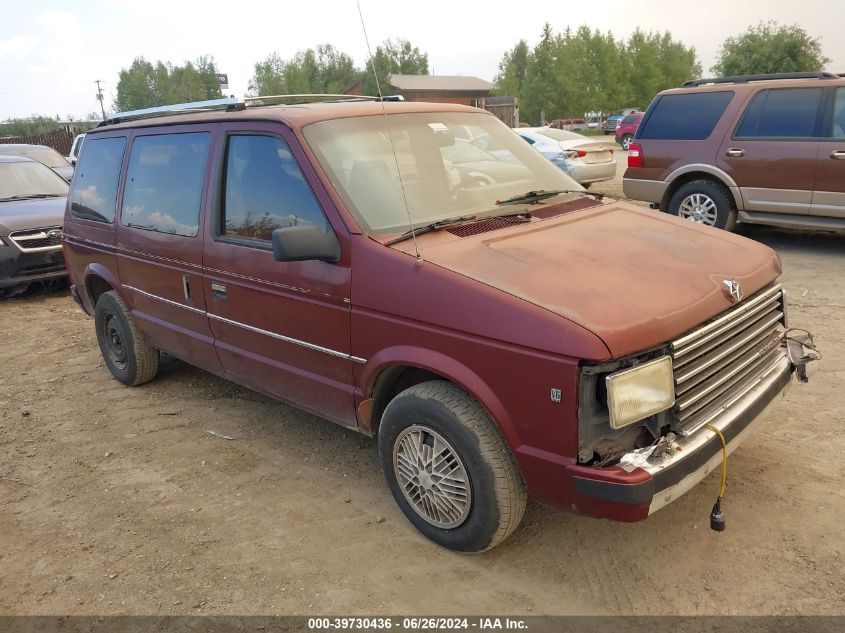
{"x": 499, "y": 330}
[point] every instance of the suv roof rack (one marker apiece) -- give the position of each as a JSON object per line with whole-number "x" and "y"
{"x": 231, "y": 104}
{"x": 227, "y": 103}
{"x": 254, "y": 102}
{"x": 744, "y": 79}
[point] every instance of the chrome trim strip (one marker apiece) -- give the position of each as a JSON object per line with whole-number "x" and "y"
{"x": 167, "y": 301}
{"x": 287, "y": 339}
{"x": 681, "y": 346}
{"x": 18, "y": 238}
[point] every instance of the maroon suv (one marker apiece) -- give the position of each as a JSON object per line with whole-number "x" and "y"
{"x": 627, "y": 129}
{"x": 501, "y": 332}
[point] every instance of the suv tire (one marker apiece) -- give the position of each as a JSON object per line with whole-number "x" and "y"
{"x": 705, "y": 202}
{"x": 128, "y": 355}
{"x": 626, "y": 141}
{"x": 484, "y": 497}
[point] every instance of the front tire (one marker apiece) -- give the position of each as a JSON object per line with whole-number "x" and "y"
{"x": 449, "y": 469}
{"x": 704, "y": 202}
{"x": 127, "y": 354}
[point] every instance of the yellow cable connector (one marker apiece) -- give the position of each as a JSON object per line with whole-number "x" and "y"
{"x": 717, "y": 519}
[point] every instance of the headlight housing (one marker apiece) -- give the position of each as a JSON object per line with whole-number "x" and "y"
{"x": 636, "y": 393}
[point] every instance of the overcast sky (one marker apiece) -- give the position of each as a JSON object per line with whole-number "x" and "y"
{"x": 51, "y": 52}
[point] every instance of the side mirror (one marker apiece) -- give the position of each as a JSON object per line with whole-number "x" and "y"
{"x": 305, "y": 242}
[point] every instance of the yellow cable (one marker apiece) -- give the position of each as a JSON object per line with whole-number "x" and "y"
{"x": 724, "y": 458}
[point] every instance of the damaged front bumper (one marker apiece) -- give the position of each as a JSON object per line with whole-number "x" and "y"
{"x": 635, "y": 493}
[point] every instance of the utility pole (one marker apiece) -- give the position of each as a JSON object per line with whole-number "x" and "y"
{"x": 100, "y": 99}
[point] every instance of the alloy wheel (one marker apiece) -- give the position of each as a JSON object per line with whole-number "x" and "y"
{"x": 700, "y": 208}
{"x": 432, "y": 476}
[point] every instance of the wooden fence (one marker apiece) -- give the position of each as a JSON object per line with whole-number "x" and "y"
{"x": 60, "y": 140}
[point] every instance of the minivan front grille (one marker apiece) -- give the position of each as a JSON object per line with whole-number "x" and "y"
{"x": 720, "y": 361}
{"x": 34, "y": 240}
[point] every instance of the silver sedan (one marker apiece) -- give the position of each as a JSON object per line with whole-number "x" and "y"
{"x": 586, "y": 159}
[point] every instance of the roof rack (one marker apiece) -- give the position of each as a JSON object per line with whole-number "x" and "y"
{"x": 253, "y": 102}
{"x": 227, "y": 103}
{"x": 231, "y": 104}
{"x": 744, "y": 79}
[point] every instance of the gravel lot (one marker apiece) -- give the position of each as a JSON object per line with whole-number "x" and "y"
{"x": 117, "y": 500}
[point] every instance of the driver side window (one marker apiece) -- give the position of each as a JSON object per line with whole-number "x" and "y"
{"x": 265, "y": 190}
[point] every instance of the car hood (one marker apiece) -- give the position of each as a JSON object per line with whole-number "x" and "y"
{"x": 19, "y": 215}
{"x": 633, "y": 277}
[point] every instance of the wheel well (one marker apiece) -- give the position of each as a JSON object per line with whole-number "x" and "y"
{"x": 96, "y": 286}
{"x": 391, "y": 382}
{"x": 683, "y": 179}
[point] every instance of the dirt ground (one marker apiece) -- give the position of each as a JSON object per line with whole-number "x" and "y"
{"x": 119, "y": 501}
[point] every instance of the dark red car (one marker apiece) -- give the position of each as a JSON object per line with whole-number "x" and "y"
{"x": 627, "y": 129}
{"x": 501, "y": 333}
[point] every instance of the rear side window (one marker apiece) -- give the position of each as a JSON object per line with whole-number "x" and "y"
{"x": 164, "y": 183}
{"x": 838, "y": 130}
{"x": 781, "y": 113}
{"x": 265, "y": 190}
{"x": 685, "y": 117}
{"x": 94, "y": 190}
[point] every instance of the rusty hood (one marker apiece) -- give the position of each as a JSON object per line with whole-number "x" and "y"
{"x": 636, "y": 278}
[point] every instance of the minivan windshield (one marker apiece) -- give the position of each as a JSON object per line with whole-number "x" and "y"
{"x": 452, "y": 164}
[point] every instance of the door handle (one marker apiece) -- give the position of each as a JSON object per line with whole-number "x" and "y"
{"x": 218, "y": 289}
{"x": 186, "y": 287}
{"x": 837, "y": 154}
{"x": 735, "y": 152}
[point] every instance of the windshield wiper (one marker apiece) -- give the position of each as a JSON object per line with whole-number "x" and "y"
{"x": 32, "y": 196}
{"x": 428, "y": 228}
{"x": 530, "y": 197}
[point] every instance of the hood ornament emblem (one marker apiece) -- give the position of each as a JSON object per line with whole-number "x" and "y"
{"x": 733, "y": 289}
{"x": 54, "y": 233}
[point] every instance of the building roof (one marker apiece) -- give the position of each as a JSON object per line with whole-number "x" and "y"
{"x": 439, "y": 82}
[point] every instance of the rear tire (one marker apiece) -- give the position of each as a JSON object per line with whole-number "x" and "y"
{"x": 449, "y": 469}
{"x": 626, "y": 141}
{"x": 705, "y": 202}
{"x": 127, "y": 354}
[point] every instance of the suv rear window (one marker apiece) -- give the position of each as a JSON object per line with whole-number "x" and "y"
{"x": 164, "y": 183}
{"x": 94, "y": 190}
{"x": 631, "y": 118}
{"x": 781, "y": 113}
{"x": 689, "y": 116}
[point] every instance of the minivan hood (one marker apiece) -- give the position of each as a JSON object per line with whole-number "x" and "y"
{"x": 635, "y": 278}
{"x": 38, "y": 213}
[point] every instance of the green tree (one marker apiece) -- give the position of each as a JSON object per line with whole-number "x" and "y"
{"x": 511, "y": 75}
{"x": 31, "y": 126}
{"x": 399, "y": 57}
{"x": 579, "y": 71}
{"x": 770, "y": 48}
{"x": 144, "y": 85}
{"x": 321, "y": 70}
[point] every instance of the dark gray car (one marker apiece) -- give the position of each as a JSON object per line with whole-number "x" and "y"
{"x": 32, "y": 204}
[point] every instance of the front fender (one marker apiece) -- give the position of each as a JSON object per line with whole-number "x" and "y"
{"x": 450, "y": 369}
